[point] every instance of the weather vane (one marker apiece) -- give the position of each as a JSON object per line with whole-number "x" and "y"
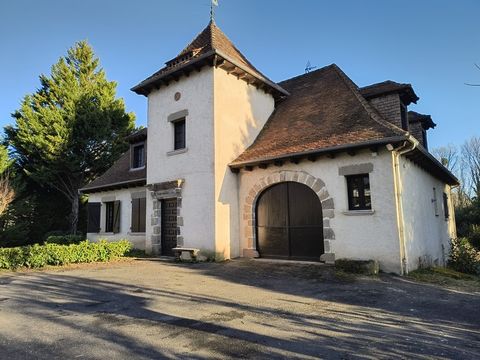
{"x": 309, "y": 67}
{"x": 212, "y": 9}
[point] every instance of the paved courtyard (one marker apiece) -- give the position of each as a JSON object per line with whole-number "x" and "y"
{"x": 151, "y": 309}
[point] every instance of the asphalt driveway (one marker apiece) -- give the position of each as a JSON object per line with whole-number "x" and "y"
{"x": 150, "y": 309}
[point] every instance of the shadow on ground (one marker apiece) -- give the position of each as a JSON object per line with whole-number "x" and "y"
{"x": 231, "y": 310}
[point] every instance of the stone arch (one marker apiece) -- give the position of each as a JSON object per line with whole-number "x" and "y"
{"x": 302, "y": 177}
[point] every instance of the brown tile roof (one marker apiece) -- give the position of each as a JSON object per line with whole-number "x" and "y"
{"x": 324, "y": 110}
{"x": 388, "y": 87}
{"x": 426, "y": 120}
{"x": 212, "y": 38}
{"x": 119, "y": 174}
{"x": 137, "y": 136}
{"x": 210, "y": 42}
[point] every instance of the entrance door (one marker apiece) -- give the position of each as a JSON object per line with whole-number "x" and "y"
{"x": 169, "y": 226}
{"x": 289, "y": 222}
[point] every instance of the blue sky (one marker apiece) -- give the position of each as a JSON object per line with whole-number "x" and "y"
{"x": 432, "y": 44}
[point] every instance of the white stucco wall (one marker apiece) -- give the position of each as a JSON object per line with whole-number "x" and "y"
{"x": 240, "y": 112}
{"x": 373, "y": 236}
{"x": 196, "y": 164}
{"x": 425, "y": 232}
{"x": 125, "y": 198}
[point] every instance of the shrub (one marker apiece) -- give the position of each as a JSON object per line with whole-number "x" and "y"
{"x": 37, "y": 256}
{"x": 464, "y": 257}
{"x": 64, "y": 239}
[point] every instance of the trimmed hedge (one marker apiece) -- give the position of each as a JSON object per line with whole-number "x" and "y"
{"x": 64, "y": 239}
{"x": 37, "y": 256}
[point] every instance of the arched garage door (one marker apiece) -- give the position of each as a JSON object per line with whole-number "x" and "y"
{"x": 289, "y": 222}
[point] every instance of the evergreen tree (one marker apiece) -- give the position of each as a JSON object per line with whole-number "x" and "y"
{"x": 72, "y": 129}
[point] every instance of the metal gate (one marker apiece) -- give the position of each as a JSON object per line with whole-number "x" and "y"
{"x": 289, "y": 222}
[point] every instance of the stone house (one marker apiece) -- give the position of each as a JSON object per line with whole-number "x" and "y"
{"x": 313, "y": 167}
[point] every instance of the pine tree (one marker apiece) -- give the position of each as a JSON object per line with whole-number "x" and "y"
{"x": 72, "y": 128}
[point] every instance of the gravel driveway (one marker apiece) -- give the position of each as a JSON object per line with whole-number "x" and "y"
{"x": 151, "y": 309}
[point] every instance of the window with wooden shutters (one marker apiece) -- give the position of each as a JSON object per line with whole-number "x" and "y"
{"x": 139, "y": 207}
{"x": 93, "y": 225}
{"x": 358, "y": 187}
{"x": 179, "y": 134}
{"x": 112, "y": 216}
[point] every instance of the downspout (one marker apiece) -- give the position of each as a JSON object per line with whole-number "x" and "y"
{"x": 408, "y": 146}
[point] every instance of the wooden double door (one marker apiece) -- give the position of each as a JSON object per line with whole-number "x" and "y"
{"x": 169, "y": 226}
{"x": 289, "y": 222}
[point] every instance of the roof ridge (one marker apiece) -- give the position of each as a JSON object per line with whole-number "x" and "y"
{"x": 374, "y": 114}
{"x": 323, "y": 68}
{"x": 384, "y": 82}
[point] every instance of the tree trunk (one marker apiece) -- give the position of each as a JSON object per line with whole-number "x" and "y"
{"x": 74, "y": 215}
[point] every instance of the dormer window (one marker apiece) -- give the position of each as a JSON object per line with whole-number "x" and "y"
{"x": 138, "y": 156}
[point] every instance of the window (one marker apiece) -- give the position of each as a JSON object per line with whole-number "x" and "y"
{"x": 179, "y": 134}
{"x": 139, "y": 207}
{"x": 109, "y": 216}
{"x": 112, "y": 217}
{"x": 358, "y": 187}
{"x": 404, "y": 116}
{"x": 138, "y": 157}
{"x": 445, "y": 206}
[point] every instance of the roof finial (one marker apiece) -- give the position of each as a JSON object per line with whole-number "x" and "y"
{"x": 212, "y": 10}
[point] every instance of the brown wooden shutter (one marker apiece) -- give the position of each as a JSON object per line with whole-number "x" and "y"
{"x": 135, "y": 214}
{"x": 116, "y": 216}
{"x": 93, "y": 225}
{"x": 139, "y": 208}
{"x": 445, "y": 206}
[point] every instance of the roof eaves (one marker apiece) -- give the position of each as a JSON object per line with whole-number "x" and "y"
{"x": 154, "y": 78}
{"x": 330, "y": 149}
{"x": 87, "y": 189}
{"x": 258, "y": 76}
{"x": 399, "y": 87}
{"x": 449, "y": 177}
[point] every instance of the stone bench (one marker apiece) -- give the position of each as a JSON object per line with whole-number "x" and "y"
{"x": 185, "y": 254}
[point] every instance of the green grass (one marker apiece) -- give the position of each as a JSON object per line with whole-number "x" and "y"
{"x": 447, "y": 277}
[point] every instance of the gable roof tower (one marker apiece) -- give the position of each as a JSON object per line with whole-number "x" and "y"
{"x": 211, "y": 47}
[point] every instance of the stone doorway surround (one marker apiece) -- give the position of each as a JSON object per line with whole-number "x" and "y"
{"x": 159, "y": 192}
{"x": 302, "y": 177}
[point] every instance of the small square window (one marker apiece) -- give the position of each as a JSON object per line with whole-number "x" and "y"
{"x": 179, "y": 134}
{"x": 138, "y": 158}
{"x": 358, "y": 187}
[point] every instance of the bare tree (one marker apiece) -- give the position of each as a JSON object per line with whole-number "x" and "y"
{"x": 471, "y": 156}
{"x": 7, "y": 194}
{"x": 448, "y": 156}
